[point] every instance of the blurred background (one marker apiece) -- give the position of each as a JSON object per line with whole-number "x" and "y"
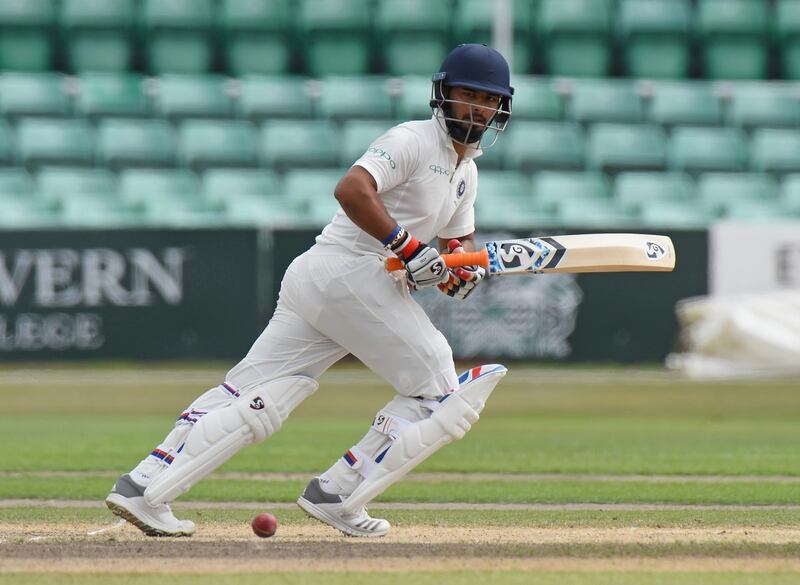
{"x": 161, "y": 162}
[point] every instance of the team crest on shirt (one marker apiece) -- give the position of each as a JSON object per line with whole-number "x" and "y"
{"x": 462, "y": 186}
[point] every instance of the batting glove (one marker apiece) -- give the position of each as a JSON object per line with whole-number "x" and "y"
{"x": 461, "y": 281}
{"x": 424, "y": 265}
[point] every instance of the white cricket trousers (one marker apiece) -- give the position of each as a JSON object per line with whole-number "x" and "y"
{"x": 333, "y": 302}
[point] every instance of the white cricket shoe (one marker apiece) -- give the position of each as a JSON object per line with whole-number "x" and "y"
{"x": 327, "y": 508}
{"x": 126, "y": 500}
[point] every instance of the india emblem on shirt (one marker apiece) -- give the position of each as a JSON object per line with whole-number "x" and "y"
{"x": 462, "y": 186}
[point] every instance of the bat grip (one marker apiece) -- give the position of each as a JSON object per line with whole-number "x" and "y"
{"x": 479, "y": 258}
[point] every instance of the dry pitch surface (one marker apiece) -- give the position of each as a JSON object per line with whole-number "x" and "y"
{"x": 223, "y": 548}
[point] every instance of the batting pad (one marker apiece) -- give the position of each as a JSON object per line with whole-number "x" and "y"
{"x": 450, "y": 421}
{"x": 219, "y": 435}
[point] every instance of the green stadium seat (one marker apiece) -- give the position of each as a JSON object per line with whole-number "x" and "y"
{"x": 214, "y": 143}
{"x": 550, "y": 188}
{"x": 33, "y": 94}
{"x": 140, "y": 187}
{"x": 193, "y": 96}
{"x": 497, "y": 184}
{"x": 98, "y": 34}
{"x": 26, "y": 35}
{"x": 275, "y": 97}
{"x": 306, "y": 189}
{"x": 54, "y": 184}
{"x": 605, "y": 101}
{"x": 177, "y": 35}
{"x": 179, "y": 212}
{"x": 534, "y": 99}
{"x": 357, "y": 135}
{"x": 252, "y": 210}
{"x": 501, "y": 211}
{"x": 655, "y": 37}
{"x": 413, "y": 35}
{"x": 355, "y": 97}
{"x": 413, "y": 103}
{"x": 698, "y": 149}
{"x": 95, "y": 210}
{"x": 286, "y": 143}
{"x": 754, "y": 210}
{"x": 473, "y": 24}
{"x": 790, "y": 193}
{"x": 576, "y": 36}
{"x": 733, "y": 38}
{"x": 13, "y": 200}
{"x": 684, "y": 102}
{"x": 6, "y": 144}
{"x": 626, "y": 147}
{"x": 111, "y": 94}
{"x": 321, "y": 212}
{"x": 16, "y": 181}
{"x": 12, "y": 197}
{"x": 718, "y": 191}
{"x": 20, "y": 213}
{"x": 659, "y": 214}
{"x": 256, "y": 36}
{"x": 335, "y": 35}
{"x": 787, "y": 27}
{"x": 591, "y": 213}
{"x": 62, "y": 142}
{"x": 762, "y": 104}
{"x": 136, "y": 143}
{"x": 633, "y": 190}
{"x": 775, "y": 150}
{"x": 542, "y": 145}
{"x": 222, "y": 185}
{"x": 494, "y": 157}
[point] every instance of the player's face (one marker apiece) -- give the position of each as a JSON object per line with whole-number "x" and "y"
{"x": 478, "y": 107}
{"x": 474, "y": 111}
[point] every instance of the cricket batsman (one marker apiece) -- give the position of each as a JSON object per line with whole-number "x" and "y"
{"x": 414, "y": 184}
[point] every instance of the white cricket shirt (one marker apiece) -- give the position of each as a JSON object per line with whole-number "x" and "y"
{"x": 414, "y": 166}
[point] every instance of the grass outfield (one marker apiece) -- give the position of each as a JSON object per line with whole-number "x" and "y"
{"x": 709, "y": 460}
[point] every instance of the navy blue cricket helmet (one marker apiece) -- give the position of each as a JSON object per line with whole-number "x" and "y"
{"x": 478, "y": 67}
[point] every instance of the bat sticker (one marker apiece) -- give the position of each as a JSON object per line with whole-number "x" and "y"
{"x": 514, "y": 255}
{"x": 654, "y": 251}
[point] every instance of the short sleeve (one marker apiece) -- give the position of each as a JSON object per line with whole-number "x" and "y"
{"x": 463, "y": 221}
{"x": 392, "y": 158}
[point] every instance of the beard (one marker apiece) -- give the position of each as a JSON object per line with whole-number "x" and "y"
{"x": 465, "y": 128}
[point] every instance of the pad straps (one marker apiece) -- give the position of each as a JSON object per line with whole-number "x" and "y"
{"x": 385, "y": 423}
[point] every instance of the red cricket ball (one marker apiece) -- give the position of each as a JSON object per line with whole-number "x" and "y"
{"x": 264, "y": 525}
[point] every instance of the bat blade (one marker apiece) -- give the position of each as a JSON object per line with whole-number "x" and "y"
{"x": 571, "y": 253}
{"x": 582, "y": 253}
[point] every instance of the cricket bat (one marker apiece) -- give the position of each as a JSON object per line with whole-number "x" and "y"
{"x": 572, "y": 253}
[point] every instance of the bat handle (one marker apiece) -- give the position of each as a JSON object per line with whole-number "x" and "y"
{"x": 479, "y": 258}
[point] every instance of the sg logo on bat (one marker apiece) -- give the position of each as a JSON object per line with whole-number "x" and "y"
{"x": 514, "y": 255}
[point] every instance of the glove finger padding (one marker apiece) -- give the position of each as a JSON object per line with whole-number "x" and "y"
{"x": 462, "y": 280}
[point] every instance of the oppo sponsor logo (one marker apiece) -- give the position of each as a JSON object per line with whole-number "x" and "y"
{"x": 383, "y": 154}
{"x": 91, "y": 277}
{"x": 439, "y": 170}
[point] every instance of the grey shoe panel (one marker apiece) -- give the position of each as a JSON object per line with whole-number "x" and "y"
{"x": 316, "y": 495}
{"x": 126, "y": 487}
